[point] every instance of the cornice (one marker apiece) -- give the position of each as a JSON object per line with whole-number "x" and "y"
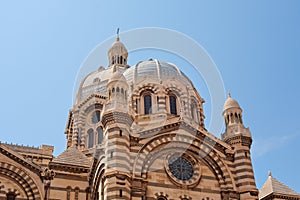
{"x": 19, "y": 159}
{"x": 69, "y": 168}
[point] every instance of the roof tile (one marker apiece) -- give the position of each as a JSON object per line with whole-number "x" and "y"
{"x": 273, "y": 186}
{"x": 72, "y": 156}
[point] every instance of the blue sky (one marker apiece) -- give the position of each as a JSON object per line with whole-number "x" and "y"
{"x": 255, "y": 45}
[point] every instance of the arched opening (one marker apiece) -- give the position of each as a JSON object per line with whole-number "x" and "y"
{"x": 20, "y": 184}
{"x": 211, "y": 162}
{"x": 121, "y": 60}
{"x": 173, "y": 105}
{"x": 100, "y": 134}
{"x": 91, "y": 138}
{"x": 147, "y": 104}
{"x": 77, "y": 193}
{"x": 227, "y": 119}
{"x": 79, "y": 135}
{"x": 69, "y": 189}
{"x": 194, "y": 111}
{"x": 236, "y": 118}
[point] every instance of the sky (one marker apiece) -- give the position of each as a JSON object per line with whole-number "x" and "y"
{"x": 255, "y": 45}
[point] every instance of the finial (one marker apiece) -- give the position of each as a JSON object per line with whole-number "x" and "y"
{"x": 229, "y": 95}
{"x": 269, "y": 173}
{"x": 118, "y": 30}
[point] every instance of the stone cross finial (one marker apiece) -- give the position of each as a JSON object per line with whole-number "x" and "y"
{"x": 229, "y": 95}
{"x": 270, "y": 173}
{"x": 118, "y": 30}
{"x": 47, "y": 175}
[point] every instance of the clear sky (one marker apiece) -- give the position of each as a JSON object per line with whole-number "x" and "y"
{"x": 255, "y": 45}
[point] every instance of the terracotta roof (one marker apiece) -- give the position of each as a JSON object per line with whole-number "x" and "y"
{"x": 72, "y": 156}
{"x": 273, "y": 186}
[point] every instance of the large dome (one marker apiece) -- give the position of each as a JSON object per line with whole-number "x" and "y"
{"x": 151, "y": 71}
{"x": 156, "y": 72}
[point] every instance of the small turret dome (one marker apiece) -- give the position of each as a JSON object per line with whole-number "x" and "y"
{"x": 230, "y": 103}
{"x": 117, "y": 76}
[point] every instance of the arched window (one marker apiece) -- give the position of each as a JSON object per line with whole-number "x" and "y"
{"x": 77, "y": 193}
{"x": 79, "y": 134}
{"x": 118, "y": 89}
{"x": 173, "y": 106}
{"x": 147, "y": 104}
{"x": 69, "y": 192}
{"x": 100, "y": 134}
{"x": 121, "y": 60}
{"x": 91, "y": 138}
{"x": 194, "y": 110}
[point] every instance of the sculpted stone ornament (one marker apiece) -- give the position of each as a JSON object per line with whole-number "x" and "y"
{"x": 47, "y": 176}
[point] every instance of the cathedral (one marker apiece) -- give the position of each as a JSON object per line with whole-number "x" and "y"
{"x": 138, "y": 133}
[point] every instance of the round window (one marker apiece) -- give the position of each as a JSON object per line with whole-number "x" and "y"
{"x": 181, "y": 168}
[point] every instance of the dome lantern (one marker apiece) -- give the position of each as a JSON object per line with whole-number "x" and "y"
{"x": 232, "y": 112}
{"x": 117, "y": 53}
